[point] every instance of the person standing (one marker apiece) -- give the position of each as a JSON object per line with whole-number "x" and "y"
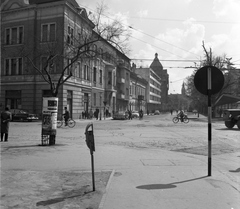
{"x": 66, "y": 116}
{"x": 6, "y": 117}
{"x": 129, "y": 115}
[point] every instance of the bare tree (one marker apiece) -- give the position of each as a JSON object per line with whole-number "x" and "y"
{"x": 77, "y": 48}
{"x": 231, "y": 82}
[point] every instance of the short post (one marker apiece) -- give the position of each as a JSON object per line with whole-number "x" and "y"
{"x": 91, "y": 145}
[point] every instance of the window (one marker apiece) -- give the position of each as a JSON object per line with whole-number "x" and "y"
{"x": 78, "y": 70}
{"x": 48, "y": 32}
{"x": 70, "y": 36}
{"x": 114, "y": 78}
{"x": 100, "y": 77}
{"x": 109, "y": 78}
{"x": 86, "y": 74}
{"x": 14, "y": 66}
{"x": 14, "y": 35}
{"x": 94, "y": 74}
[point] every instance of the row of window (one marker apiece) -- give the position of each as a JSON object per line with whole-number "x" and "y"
{"x": 136, "y": 90}
{"x": 155, "y": 76}
{"x": 15, "y": 35}
{"x": 154, "y": 98}
{"x": 14, "y": 66}
{"x": 153, "y": 90}
{"x": 155, "y": 83}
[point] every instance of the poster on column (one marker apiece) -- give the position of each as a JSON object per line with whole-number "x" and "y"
{"x": 49, "y": 115}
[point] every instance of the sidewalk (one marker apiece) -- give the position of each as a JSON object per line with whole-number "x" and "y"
{"x": 174, "y": 181}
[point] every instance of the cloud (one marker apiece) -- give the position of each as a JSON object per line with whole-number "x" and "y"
{"x": 143, "y": 13}
{"x": 185, "y": 41}
{"x": 227, "y": 8}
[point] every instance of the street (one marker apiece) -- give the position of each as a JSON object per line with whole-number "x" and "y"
{"x": 151, "y": 158}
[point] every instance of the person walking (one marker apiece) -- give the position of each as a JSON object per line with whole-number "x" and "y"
{"x": 6, "y": 117}
{"x": 66, "y": 116}
{"x": 129, "y": 115}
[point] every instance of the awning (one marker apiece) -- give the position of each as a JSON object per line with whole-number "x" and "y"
{"x": 226, "y": 99}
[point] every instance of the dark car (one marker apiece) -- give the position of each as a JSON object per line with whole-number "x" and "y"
{"x": 22, "y": 115}
{"x": 231, "y": 118}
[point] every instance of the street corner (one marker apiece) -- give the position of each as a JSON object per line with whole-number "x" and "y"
{"x": 54, "y": 189}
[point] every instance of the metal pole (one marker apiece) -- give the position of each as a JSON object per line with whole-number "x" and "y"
{"x": 209, "y": 122}
{"x": 93, "y": 179}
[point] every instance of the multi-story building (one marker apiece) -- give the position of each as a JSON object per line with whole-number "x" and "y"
{"x": 138, "y": 92}
{"x": 157, "y": 67}
{"x": 153, "y": 88}
{"x": 34, "y": 31}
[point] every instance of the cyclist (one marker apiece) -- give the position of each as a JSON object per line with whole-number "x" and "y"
{"x": 66, "y": 115}
{"x": 181, "y": 115}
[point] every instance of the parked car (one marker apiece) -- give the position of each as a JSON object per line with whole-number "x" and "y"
{"x": 231, "y": 118}
{"x": 22, "y": 115}
{"x": 120, "y": 115}
{"x": 135, "y": 114}
{"x": 157, "y": 112}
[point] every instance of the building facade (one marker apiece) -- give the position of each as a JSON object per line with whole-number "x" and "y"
{"x": 157, "y": 67}
{"x": 138, "y": 92}
{"x": 153, "y": 88}
{"x": 30, "y": 32}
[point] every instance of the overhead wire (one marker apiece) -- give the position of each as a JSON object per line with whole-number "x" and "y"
{"x": 131, "y": 27}
{"x": 181, "y": 20}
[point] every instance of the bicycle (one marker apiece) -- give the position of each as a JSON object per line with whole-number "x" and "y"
{"x": 70, "y": 123}
{"x": 176, "y": 119}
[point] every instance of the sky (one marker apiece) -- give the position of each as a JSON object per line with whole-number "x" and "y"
{"x": 176, "y": 29}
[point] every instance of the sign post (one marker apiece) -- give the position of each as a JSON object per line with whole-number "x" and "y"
{"x": 91, "y": 145}
{"x": 209, "y": 80}
{"x": 209, "y": 77}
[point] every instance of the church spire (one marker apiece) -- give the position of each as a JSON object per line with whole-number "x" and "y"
{"x": 183, "y": 91}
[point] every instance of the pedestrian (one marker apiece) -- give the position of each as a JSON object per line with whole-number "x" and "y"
{"x": 140, "y": 114}
{"x": 66, "y": 116}
{"x": 91, "y": 114}
{"x": 6, "y": 117}
{"x": 129, "y": 115}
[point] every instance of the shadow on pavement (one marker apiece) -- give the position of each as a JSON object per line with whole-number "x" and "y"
{"x": 235, "y": 171}
{"x": 33, "y": 145}
{"x": 166, "y": 186}
{"x": 228, "y": 129}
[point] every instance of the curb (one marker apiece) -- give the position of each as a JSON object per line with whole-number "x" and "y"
{"x": 106, "y": 193}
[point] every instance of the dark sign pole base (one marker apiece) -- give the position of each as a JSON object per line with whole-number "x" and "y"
{"x": 93, "y": 177}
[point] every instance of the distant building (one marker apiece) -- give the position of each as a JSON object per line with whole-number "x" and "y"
{"x": 157, "y": 67}
{"x": 153, "y": 89}
{"x": 138, "y": 92}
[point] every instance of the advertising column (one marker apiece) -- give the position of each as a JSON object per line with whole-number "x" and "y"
{"x": 49, "y": 120}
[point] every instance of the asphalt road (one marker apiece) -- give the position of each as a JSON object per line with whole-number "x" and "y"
{"x": 121, "y": 145}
